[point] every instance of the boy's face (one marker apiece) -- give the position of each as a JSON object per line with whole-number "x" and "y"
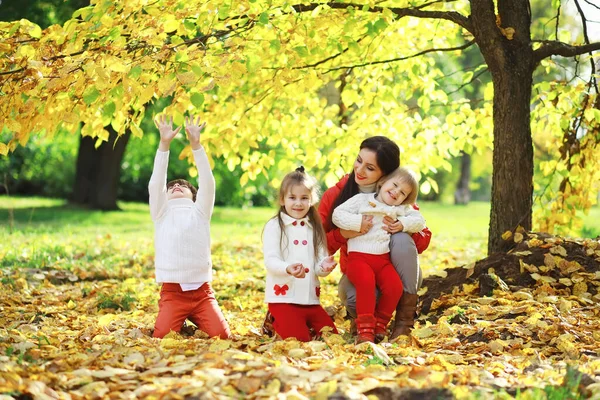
{"x": 178, "y": 191}
{"x": 394, "y": 191}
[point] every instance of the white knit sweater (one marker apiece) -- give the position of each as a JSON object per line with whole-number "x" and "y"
{"x": 377, "y": 241}
{"x": 182, "y": 227}
{"x": 297, "y": 247}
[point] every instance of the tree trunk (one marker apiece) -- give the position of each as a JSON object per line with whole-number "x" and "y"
{"x": 98, "y": 171}
{"x": 512, "y": 178}
{"x": 462, "y": 195}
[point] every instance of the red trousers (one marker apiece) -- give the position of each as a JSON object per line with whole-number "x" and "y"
{"x": 367, "y": 271}
{"x": 200, "y": 306}
{"x": 295, "y": 320}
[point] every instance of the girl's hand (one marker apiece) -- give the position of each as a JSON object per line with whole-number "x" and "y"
{"x": 193, "y": 129}
{"x": 391, "y": 225}
{"x": 296, "y": 270}
{"x": 366, "y": 224}
{"x": 165, "y": 128}
{"x": 328, "y": 264}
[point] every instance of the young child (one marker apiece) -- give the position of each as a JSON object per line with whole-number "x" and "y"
{"x": 369, "y": 264}
{"x": 295, "y": 255}
{"x": 181, "y": 216}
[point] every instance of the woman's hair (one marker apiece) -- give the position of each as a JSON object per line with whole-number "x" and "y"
{"x": 301, "y": 178}
{"x": 183, "y": 182}
{"x": 387, "y": 154}
{"x": 405, "y": 175}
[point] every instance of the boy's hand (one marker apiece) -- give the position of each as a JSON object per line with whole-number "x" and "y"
{"x": 296, "y": 270}
{"x": 193, "y": 129}
{"x": 165, "y": 127}
{"x": 328, "y": 264}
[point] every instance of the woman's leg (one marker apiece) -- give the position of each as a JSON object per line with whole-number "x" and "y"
{"x": 405, "y": 258}
{"x": 347, "y": 294}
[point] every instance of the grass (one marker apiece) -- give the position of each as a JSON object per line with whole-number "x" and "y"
{"x": 40, "y": 231}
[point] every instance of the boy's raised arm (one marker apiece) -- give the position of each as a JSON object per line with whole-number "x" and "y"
{"x": 205, "y": 198}
{"x": 157, "y": 187}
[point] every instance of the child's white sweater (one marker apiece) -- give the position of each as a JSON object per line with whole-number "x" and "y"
{"x": 348, "y": 215}
{"x": 182, "y": 227}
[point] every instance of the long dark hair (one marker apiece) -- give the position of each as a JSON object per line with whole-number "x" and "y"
{"x": 387, "y": 154}
{"x": 301, "y": 178}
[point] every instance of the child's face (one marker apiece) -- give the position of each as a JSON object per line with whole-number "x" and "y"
{"x": 297, "y": 201}
{"x": 178, "y": 191}
{"x": 366, "y": 170}
{"x": 394, "y": 191}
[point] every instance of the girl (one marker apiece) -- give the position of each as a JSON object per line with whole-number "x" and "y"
{"x": 295, "y": 256}
{"x": 378, "y": 156}
{"x": 368, "y": 261}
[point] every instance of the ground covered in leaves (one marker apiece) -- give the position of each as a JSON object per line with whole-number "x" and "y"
{"x": 77, "y": 325}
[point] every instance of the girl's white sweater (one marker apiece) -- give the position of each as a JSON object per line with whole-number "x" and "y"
{"x": 182, "y": 227}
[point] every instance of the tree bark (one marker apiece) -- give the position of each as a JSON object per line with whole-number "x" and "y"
{"x": 511, "y": 62}
{"x": 462, "y": 195}
{"x": 98, "y": 171}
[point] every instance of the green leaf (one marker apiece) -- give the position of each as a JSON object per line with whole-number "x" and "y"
{"x": 275, "y": 45}
{"x": 90, "y": 95}
{"x": 109, "y": 109}
{"x": 135, "y": 72}
{"x": 301, "y": 50}
{"x": 263, "y": 19}
{"x": 197, "y": 100}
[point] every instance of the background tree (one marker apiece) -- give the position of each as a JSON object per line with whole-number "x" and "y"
{"x": 255, "y": 70}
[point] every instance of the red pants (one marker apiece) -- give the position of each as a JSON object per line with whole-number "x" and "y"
{"x": 366, "y": 271}
{"x": 199, "y": 305}
{"x": 295, "y": 320}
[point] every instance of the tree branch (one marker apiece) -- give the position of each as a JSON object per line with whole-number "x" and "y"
{"x": 555, "y": 48}
{"x": 416, "y": 12}
{"x": 464, "y": 46}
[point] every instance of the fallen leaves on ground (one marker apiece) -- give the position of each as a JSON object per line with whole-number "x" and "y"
{"x": 72, "y": 332}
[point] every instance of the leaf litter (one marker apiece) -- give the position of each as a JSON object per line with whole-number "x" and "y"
{"x": 508, "y": 324}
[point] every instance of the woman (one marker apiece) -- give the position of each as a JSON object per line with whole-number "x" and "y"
{"x": 378, "y": 156}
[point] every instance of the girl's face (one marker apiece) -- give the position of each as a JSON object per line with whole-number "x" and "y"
{"x": 297, "y": 201}
{"x": 178, "y": 191}
{"x": 366, "y": 170}
{"x": 394, "y": 191}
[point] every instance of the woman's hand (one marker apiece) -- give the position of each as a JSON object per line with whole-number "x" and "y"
{"x": 167, "y": 133}
{"x": 391, "y": 225}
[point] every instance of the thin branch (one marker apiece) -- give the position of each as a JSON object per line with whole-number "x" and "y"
{"x": 555, "y": 48}
{"x": 483, "y": 71}
{"x": 591, "y": 4}
{"x": 557, "y": 19}
{"x": 416, "y": 12}
{"x": 587, "y": 41}
{"x": 466, "y": 45}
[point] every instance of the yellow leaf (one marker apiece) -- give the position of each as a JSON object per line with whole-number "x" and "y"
{"x": 326, "y": 389}
{"x": 106, "y": 319}
{"x": 3, "y": 149}
{"x": 506, "y": 235}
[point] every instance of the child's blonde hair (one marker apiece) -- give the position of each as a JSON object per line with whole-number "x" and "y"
{"x": 405, "y": 175}
{"x": 301, "y": 178}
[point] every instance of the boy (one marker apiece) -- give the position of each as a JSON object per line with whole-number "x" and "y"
{"x": 181, "y": 216}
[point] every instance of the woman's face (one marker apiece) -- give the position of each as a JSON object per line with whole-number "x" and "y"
{"x": 366, "y": 170}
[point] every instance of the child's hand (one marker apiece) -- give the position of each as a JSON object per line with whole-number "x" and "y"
{"x": 328, "y": 264}
{"x": 392, "y": 225}
{"x": 366, "y": 224}
{"x": 193, "y": 129}
{"x": 296, "y": 270}
{"x": 165, "y": 127}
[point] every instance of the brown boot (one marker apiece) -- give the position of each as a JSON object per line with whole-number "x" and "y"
{"x": 381, "y": 323}
{"x": 405, "y": 315}
{"x": 365, "y": 328}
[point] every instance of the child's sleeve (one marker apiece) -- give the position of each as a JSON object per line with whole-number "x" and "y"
{"x": 412, "y": 220}
{"x": 205, "y": 198}
{"x": 157, "y": 187}
{"x": 274, "y": 261}
{"x": 346, "y": 215}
